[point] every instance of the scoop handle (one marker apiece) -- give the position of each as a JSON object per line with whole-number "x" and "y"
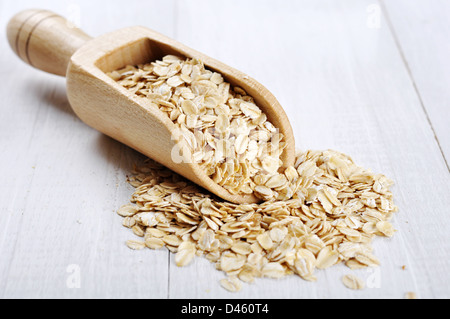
{"x": 44, "y": 39}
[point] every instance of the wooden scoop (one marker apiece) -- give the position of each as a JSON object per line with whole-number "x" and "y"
{"x": 49, "y": 42}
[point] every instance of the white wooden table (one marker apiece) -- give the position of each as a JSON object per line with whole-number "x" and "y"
{"x": 369, "y": 78}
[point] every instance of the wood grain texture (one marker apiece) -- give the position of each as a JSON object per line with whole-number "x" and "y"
{"x": 343, "y": 84}
{"x": 44, "y": 39}
{"x": 422, "y": 34}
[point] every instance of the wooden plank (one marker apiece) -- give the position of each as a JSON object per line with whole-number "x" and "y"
{"x": 344, "y": 86}
{"x": 62, "y": 183}
{"x": 421, "y": 32}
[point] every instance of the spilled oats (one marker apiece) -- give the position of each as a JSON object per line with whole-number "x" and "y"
{"x": 272, "y": 239}
{"x": 320, "y": 212}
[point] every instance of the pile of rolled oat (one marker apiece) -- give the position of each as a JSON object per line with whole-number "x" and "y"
{"x": 226, "y": 132}
{"x": 322, "y": 211}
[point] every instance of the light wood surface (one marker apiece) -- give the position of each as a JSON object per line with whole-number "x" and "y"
{"x": 49, "y": 42}
{"x": 345, "y": 83}
{"x": 44, "y": 39}
{"x": 422, "y": 33}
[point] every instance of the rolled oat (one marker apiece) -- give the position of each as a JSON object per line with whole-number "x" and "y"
{"x": 322, "y": 211}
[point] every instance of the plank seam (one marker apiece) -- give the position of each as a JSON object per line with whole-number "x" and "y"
{"x": 408, "y": 69}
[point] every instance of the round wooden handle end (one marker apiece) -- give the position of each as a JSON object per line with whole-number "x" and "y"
{"x": 44, "y": 39}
